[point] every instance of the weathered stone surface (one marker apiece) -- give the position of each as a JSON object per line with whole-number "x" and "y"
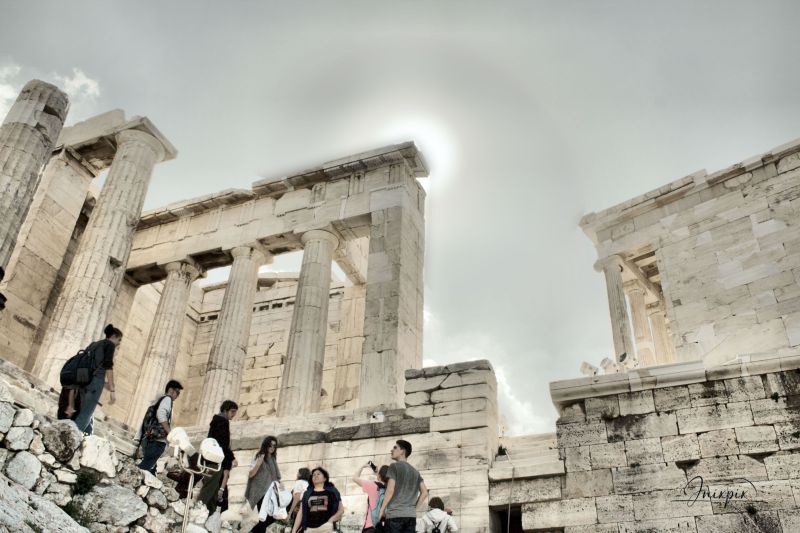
{"x": 605, "y": 407}
{"x": 19, "y": 509}
{"x": 66, "y": 476}
{"x": 61, "y": 439}
{"x": 745, "y": 388}
{"x": 642, "y": 426}
{"x": 717, "y": 443}
{"x": 581, "y": 434}
{"x": 578, "y": 458}
{"x": 129, "y": 475}
{"x": 671, "y": 398}
{"x": 7, "y": 413}
{"x": 783, "y": 466}
{"x": 112, "y": 504}
{"x": 708, "y": 393}
{"x": 587, "y": 484}
{"x": 24, "y": 469}
{"x": 417, "y": 398}
{"x": 644, "y": 451}
{"x": 636, "y": 403}
{"x": 614, "y": 508}
{"x": 19, "y": 438}
{"x": 769, "y": 411}
{"x": 662, "y": 504}
{"x": 155, "y": 498}
{"x": 424, "y": 384}
{"x": 739, "y": 522}
{"x": 728, "y": 468}
{"x": 24, "y": 418}
{"x": 559, "y": 513}
{"x": 711, "y": 417}
{"x": 99, "y": 454}
{"x": 757, "y": 439}
{"x": 648, "y": 478}
{"x": 680, "y": 447}
{"x": 525, "y": 491}
{"x": 608, "y": 455}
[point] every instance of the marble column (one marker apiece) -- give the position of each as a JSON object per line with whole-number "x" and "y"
{"x": 641, "y": 328}
{"x": 96, "y": 273}
{"x": 620, "y": 322}
{"x": 301, "y": 382}
{"x": 163, "y": 343}
{"x": 665, "y": 352}
{"x": 27, "y": 137}
{"x": 228, "y": 350}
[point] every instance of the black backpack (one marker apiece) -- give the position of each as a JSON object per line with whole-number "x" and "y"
{"x": 436, "y": 529}
{"x": 78, "y": 369}
{"x": 151, "y": 427}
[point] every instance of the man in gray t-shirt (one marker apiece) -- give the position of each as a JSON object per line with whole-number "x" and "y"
{"x": 404, "y": 491}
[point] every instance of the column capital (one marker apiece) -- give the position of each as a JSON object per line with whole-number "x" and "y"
{"x": 257, "y": 251}
{"x": 187, "y": 265}
{"x": 633, "y": 285}
{"x": 601, "y": 264}
{"x": 140, "y": 137}
{"x": 320, "y": 235}
{"x": 655, "y": 308}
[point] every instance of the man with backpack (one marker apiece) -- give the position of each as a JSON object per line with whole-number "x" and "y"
{"x": 404, "y": 492}
{"x": 375, "y": 491}
{"x": 437, "y": 520}
{"x": 156, "y": 424}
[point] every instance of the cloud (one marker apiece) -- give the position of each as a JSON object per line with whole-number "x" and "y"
{"x": 8, "y": 87}
{"x": 78, "y": 86}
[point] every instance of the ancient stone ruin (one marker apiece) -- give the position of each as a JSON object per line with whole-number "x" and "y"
{"x": 700, "y": 386}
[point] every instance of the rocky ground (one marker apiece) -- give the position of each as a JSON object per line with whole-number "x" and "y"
{"x": 55, "y": 480}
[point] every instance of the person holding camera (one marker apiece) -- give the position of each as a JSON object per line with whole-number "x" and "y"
{"x": 375, "y": 491}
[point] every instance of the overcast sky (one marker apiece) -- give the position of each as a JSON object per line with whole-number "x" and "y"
{"x": 530, "y": 115}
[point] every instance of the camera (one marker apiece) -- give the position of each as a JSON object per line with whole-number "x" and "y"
{"x": 372, "y": 466}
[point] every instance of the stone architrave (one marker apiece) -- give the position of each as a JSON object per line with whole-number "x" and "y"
{"x": 224, "y": 369}
{"x": 301, "y": 382}
{"x": 27, "y": 136}
{"x": 94, "y": 278}
{"x": 393, "y": 309}
{"x": 164, "y": 340}
{"x": 641, "y": 328}
{"x": 665, "y": 352}
{"x": 617, "y": 307}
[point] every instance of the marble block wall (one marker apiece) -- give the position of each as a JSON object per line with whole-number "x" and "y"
{"x": 453, "y": 433}
{"x": 727, "y": 251}
{"x": 689, "y": 450}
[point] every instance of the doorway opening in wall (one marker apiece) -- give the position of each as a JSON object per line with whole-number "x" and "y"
{"x": 500, "y": 522}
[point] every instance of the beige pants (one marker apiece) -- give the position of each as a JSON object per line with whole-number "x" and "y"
{"x": 320, "y": 529}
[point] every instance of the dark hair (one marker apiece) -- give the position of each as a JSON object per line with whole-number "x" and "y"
{"x": 324, "y": 474}
{"x": 405, "y": 446}
{"x": 304, "y": 474}
{"x": 436, "y": 503}
{"x": 227, "y": 405}
{"x": 265, "y": 446}
{"x": 382, "y": 473}
{"x": 173, "y": 384}
{"x": 111, "y": 331}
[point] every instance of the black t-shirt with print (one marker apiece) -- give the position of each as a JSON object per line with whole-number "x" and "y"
{"x": 321, "y": 507}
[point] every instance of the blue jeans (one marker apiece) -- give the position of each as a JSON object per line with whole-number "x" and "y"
{"x": 90, "y": 395}
{"x": 151, "y": 453}
{"x": 400, "y": 525}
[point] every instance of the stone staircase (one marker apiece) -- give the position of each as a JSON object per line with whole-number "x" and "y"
{"x": 33, "y": 393}
{"x": 528, "y": 456}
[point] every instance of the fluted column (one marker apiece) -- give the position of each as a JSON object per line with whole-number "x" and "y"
{"x": 641, "y": 329}
{"x": 620, "y": 322}
{"x": 164, "y": 340}
{"x": 27, "y": 137}
{"x": 301, "y": 382}
{"x": 665, "y": 351}
{"x": 90, "y": 288}
{"x": 229, "y": 348}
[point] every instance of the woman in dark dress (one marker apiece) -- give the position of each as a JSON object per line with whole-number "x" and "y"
{"x": 103, "y": 377}
{"x": 215, "y": 487}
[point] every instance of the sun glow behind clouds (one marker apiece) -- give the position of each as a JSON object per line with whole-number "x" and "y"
{"x": 431, "y": 137}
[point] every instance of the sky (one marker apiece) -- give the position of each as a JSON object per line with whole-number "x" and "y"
{"x": 529, "y": 113}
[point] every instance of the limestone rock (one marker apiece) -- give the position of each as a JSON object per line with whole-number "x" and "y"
{"x": 19, "y": 438}
{"x": 24, "y": 469}
{"x": 156, "y": 498}
{"x": 66, "y": 476}
{"x": 61, "y": 439}
{"x": 152, "y": 481}
{"x": 99, "y": 454}
{"x": 142, "y": 491}
{"x": 45, "y": 458}
{"x": 37, "y": 446}
{"x": 171, "y": 494}
{"x": 129, "y": 475}
{"x": 3, "y": 457}
{"x": 7, "y": 413}
{"x": 194, "y": 528}
{"x": 43, "y": 483}
{"x": 112, "y": 504}
{"x": 214, "y": 522}
{"x": 59, "y": 494}
{"x": 5, "y": 392}
{"x": 18, "y": 508}
{"x": 157, "y": 522}
{"x": 24, "y": 418}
